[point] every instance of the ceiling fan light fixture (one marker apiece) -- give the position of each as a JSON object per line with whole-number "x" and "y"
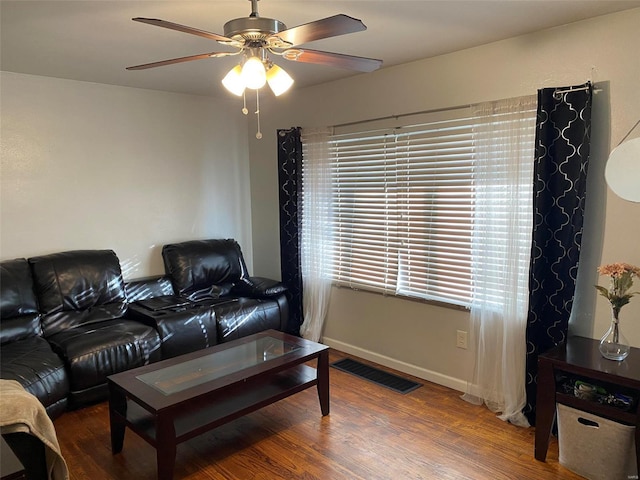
{"x": 254, "y": 37}
{"x": 253, "y": 73}
{"x": 279, "y": 80}
{"x": 233, "y": 81}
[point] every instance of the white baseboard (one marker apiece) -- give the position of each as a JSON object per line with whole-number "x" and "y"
{"x": 431, "y": 376}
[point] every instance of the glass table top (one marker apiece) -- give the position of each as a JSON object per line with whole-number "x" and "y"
{"x": 195, "y": 372}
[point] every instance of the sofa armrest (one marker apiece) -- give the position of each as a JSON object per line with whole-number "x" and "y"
{"x": 259, "y": 287}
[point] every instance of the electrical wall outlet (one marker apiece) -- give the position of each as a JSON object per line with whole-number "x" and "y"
{"x": 461, "y": 339}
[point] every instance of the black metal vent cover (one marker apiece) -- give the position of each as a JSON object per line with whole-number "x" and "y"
{"x": 375, "y": 375}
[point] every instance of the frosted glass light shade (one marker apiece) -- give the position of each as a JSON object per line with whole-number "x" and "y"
{"x": 253, "y": 73}
{"x": 233, "y": 81}
{"x": 279, "y": 80}
{"x": 623, "y": 170}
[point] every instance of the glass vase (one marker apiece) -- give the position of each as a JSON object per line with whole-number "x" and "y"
{"x": 613, "y": 344}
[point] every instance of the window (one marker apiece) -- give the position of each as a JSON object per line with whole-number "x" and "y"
{"x": 402, "y": 203}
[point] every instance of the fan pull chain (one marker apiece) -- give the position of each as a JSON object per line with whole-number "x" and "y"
{"x": 244, "y": 103}
{"x": 258, "y": 133}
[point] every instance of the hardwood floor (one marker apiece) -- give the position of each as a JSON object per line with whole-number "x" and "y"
{"x": 372, "y": 433}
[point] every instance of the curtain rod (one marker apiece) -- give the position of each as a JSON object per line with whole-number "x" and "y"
{"x": 395, "y": 117}
{"x": 557, "y": 94}
{"x": 558, "y": 91}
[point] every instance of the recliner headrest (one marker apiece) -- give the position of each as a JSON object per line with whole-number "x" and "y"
{"x": 77, "y": 280}
{"x": 198, "y": 265}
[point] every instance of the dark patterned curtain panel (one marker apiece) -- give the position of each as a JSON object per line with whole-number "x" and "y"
{"x": 560, "y": 179}
{"x": 290, "y": 184}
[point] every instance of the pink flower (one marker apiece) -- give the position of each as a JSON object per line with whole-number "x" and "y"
{"x": 618, "y": 269}
{"x": 621, "y": 281}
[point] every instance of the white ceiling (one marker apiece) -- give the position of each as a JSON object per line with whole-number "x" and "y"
{"x": 95, "y": 40}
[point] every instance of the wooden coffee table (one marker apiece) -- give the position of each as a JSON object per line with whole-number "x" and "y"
{"x": 176, "y": 399}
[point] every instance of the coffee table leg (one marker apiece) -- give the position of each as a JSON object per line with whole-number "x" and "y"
{"x": 117, "y": 416}
{"x": 323, "y": 381}
{"x": 166, "y": 447}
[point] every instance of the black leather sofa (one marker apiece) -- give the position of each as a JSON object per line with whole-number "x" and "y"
{"x": 214, "y": 299}
{"x": 68, "y": 320}
{"x": 78, "y": 327}
{"x": 25, "y": 355}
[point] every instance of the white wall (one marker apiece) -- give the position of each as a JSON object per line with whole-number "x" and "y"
{"x": 420, "y": 338}
{"x": 88, "y": 166}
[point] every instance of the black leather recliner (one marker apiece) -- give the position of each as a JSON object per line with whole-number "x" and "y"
{"x": 213, "y": 298}
{"x": 213, "y": 273}
{"x": 81, "y": 295}
{"x": 25, "y": 355}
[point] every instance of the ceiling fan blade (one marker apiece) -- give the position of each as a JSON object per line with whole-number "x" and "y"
{"x": 185, "y": 29}
{"x": 361, "y": 64}
{"x": 180, "y": 60}
{"x": 327, "y": 27}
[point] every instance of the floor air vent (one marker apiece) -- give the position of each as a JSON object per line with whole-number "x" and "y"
{"x": 375, "y": 375}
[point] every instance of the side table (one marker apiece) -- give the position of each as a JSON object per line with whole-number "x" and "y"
{"x": 10, "y": 466}
{"x": 580, "y": 356}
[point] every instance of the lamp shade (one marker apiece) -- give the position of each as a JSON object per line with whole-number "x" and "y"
{"x": 279, "y": 80}
{"x": 253, "y": 73}
{"x": 622, "y": 172}
{"x": 233, "y": 81}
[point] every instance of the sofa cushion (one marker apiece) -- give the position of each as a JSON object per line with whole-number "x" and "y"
{"x": 38, "y": 369}
{"x": 77, "y": 288}
{"x": 93, "y": 352}
{"x": 201, "y": 268}
{"x": 19, "y": 317}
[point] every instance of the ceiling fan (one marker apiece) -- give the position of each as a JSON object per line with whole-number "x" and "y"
{"x": 254, "y": 38}
{"x": 257, "y": 37}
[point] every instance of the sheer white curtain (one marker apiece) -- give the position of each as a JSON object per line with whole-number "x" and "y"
{"x": 316, "y": 252}
{"x": 504, "y": 140}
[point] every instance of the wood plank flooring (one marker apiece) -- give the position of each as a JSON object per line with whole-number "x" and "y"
{"x": 372, "y": 433}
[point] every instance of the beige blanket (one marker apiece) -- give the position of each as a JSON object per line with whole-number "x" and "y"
{"x": 22, "y": 412}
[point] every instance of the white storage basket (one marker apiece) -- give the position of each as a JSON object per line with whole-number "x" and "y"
{"x": 595, "y": 447}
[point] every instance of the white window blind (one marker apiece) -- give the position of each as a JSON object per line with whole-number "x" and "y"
{"x": 403, "y": 207}
{"x": 365, "y": 211}
{"x": 435, "y": 174}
